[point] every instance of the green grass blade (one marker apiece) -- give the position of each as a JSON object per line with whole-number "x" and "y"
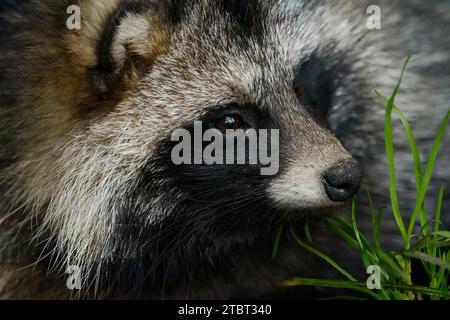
{"x": 332, "y": 225}
{"x": 413, "y": 288}
{"x": 395, "y": 268}
{"x": 359, "y": 286}
{"x": 338, "y": 220}
{"x": 389, "y": 144}
{"x": 308, "y": 232}
{"x": 411, "y": 140}
{"x": 442, "y": 277}
{"x": 416, "y": 158}
{"x": 355, "y": 226}
{"x": 444, "y": 234}
{"x": 341, "y": 233}
{"x": 276, "y": 246}
{"x": 378, "y": 227}
{"x": 323, "y": 257}
{"x": 428, "y": 172}
{"x": 437, "y": 221}
{"x": 336, "y": 284}
{"x": 373, "y": 219}
{"x": 428, "y": 258}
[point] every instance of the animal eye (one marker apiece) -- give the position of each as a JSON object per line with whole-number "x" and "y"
{"x": 230, "y": 122}
{"x": 299, "y": 90}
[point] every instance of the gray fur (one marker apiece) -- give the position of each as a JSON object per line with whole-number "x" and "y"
{"x": 68, "y": 181}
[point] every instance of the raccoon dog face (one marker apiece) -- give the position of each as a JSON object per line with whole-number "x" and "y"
{"x": 103, "y": 183}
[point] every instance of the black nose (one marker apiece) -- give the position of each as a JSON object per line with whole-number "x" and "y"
{"x": 342, "y": 181}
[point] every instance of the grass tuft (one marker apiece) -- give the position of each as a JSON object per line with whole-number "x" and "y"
{"x": 429, "y": 245}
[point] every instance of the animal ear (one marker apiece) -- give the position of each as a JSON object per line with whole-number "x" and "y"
{"x": 128, "y": 48}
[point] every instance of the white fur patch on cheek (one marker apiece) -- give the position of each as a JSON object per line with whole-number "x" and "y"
{"x": 299, "y": 188}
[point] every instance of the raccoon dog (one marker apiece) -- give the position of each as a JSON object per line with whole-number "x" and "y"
{"x": 87, "y": 116}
